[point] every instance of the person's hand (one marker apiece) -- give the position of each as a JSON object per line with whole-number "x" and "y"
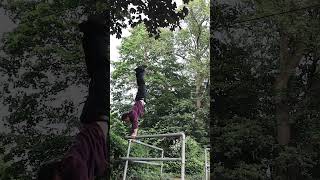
{"x": 133, "y": 135}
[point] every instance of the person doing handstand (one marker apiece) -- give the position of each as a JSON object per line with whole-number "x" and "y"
{"x": 137, "y": 110}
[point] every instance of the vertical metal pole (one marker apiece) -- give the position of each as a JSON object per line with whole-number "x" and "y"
{"x": 205, "y": 164}
{"x": 183, "y": 158}
{"x": 204, "y": 170}
{"x": 162, "y": 155}
{"x": 126, "y": 166}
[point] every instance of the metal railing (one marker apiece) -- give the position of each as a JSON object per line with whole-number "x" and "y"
{"x": 140, "y": 160}
{"x": 207, "y": 164}
{"x": 147, "y": 160}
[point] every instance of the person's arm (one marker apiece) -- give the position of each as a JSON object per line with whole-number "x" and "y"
{"x": 137, "y": 111}
{"x": 134, "y": 133}
{"x": 135, "y": 124}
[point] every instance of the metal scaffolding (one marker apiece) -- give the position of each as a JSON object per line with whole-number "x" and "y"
{"x": 150, "y": 161}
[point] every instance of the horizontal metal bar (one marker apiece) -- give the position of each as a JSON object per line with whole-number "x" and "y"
{"x": 145, "y": 144}
{"x": 145, "y": 162}
{"x": 159, "y": 135}
{"x": 150, "y": 159}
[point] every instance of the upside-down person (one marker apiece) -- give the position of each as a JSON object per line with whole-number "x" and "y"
{"x": 137, "y": 110}
{"x": 87, "y": 158}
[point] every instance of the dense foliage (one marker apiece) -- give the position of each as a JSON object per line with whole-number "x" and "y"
{"x": 45, "y": 84}
{"x": 121, "y": 14}
{"x": 176, "y": 78}
{"x": 265, "y": 77}
{"x": 43, "y": 81}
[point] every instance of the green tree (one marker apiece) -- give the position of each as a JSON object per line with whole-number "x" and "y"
{"x": 120, "y": 13}
{"x": 165, "y": 81}
{"x": 192, "y": 43}
{"x": 168, "y": 104}
{"x": 297, "y": 33}
{"x": 245, "y": 73}
{"x": 45, "y": 82}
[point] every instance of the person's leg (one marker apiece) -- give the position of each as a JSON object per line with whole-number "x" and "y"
{"x": 141, "y": 94}
{"x": 95, "y": 45}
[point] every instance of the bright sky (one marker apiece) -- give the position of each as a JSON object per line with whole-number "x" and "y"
{"x": 115, "y": 43}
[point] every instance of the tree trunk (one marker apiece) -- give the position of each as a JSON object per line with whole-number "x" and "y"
{"x": 282, "y": 109}
{"x": 198, "y": 95}
{"x": 289, "y": 60}
{"x": 281, "y": 88}
{"x": 288, "y": 63}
